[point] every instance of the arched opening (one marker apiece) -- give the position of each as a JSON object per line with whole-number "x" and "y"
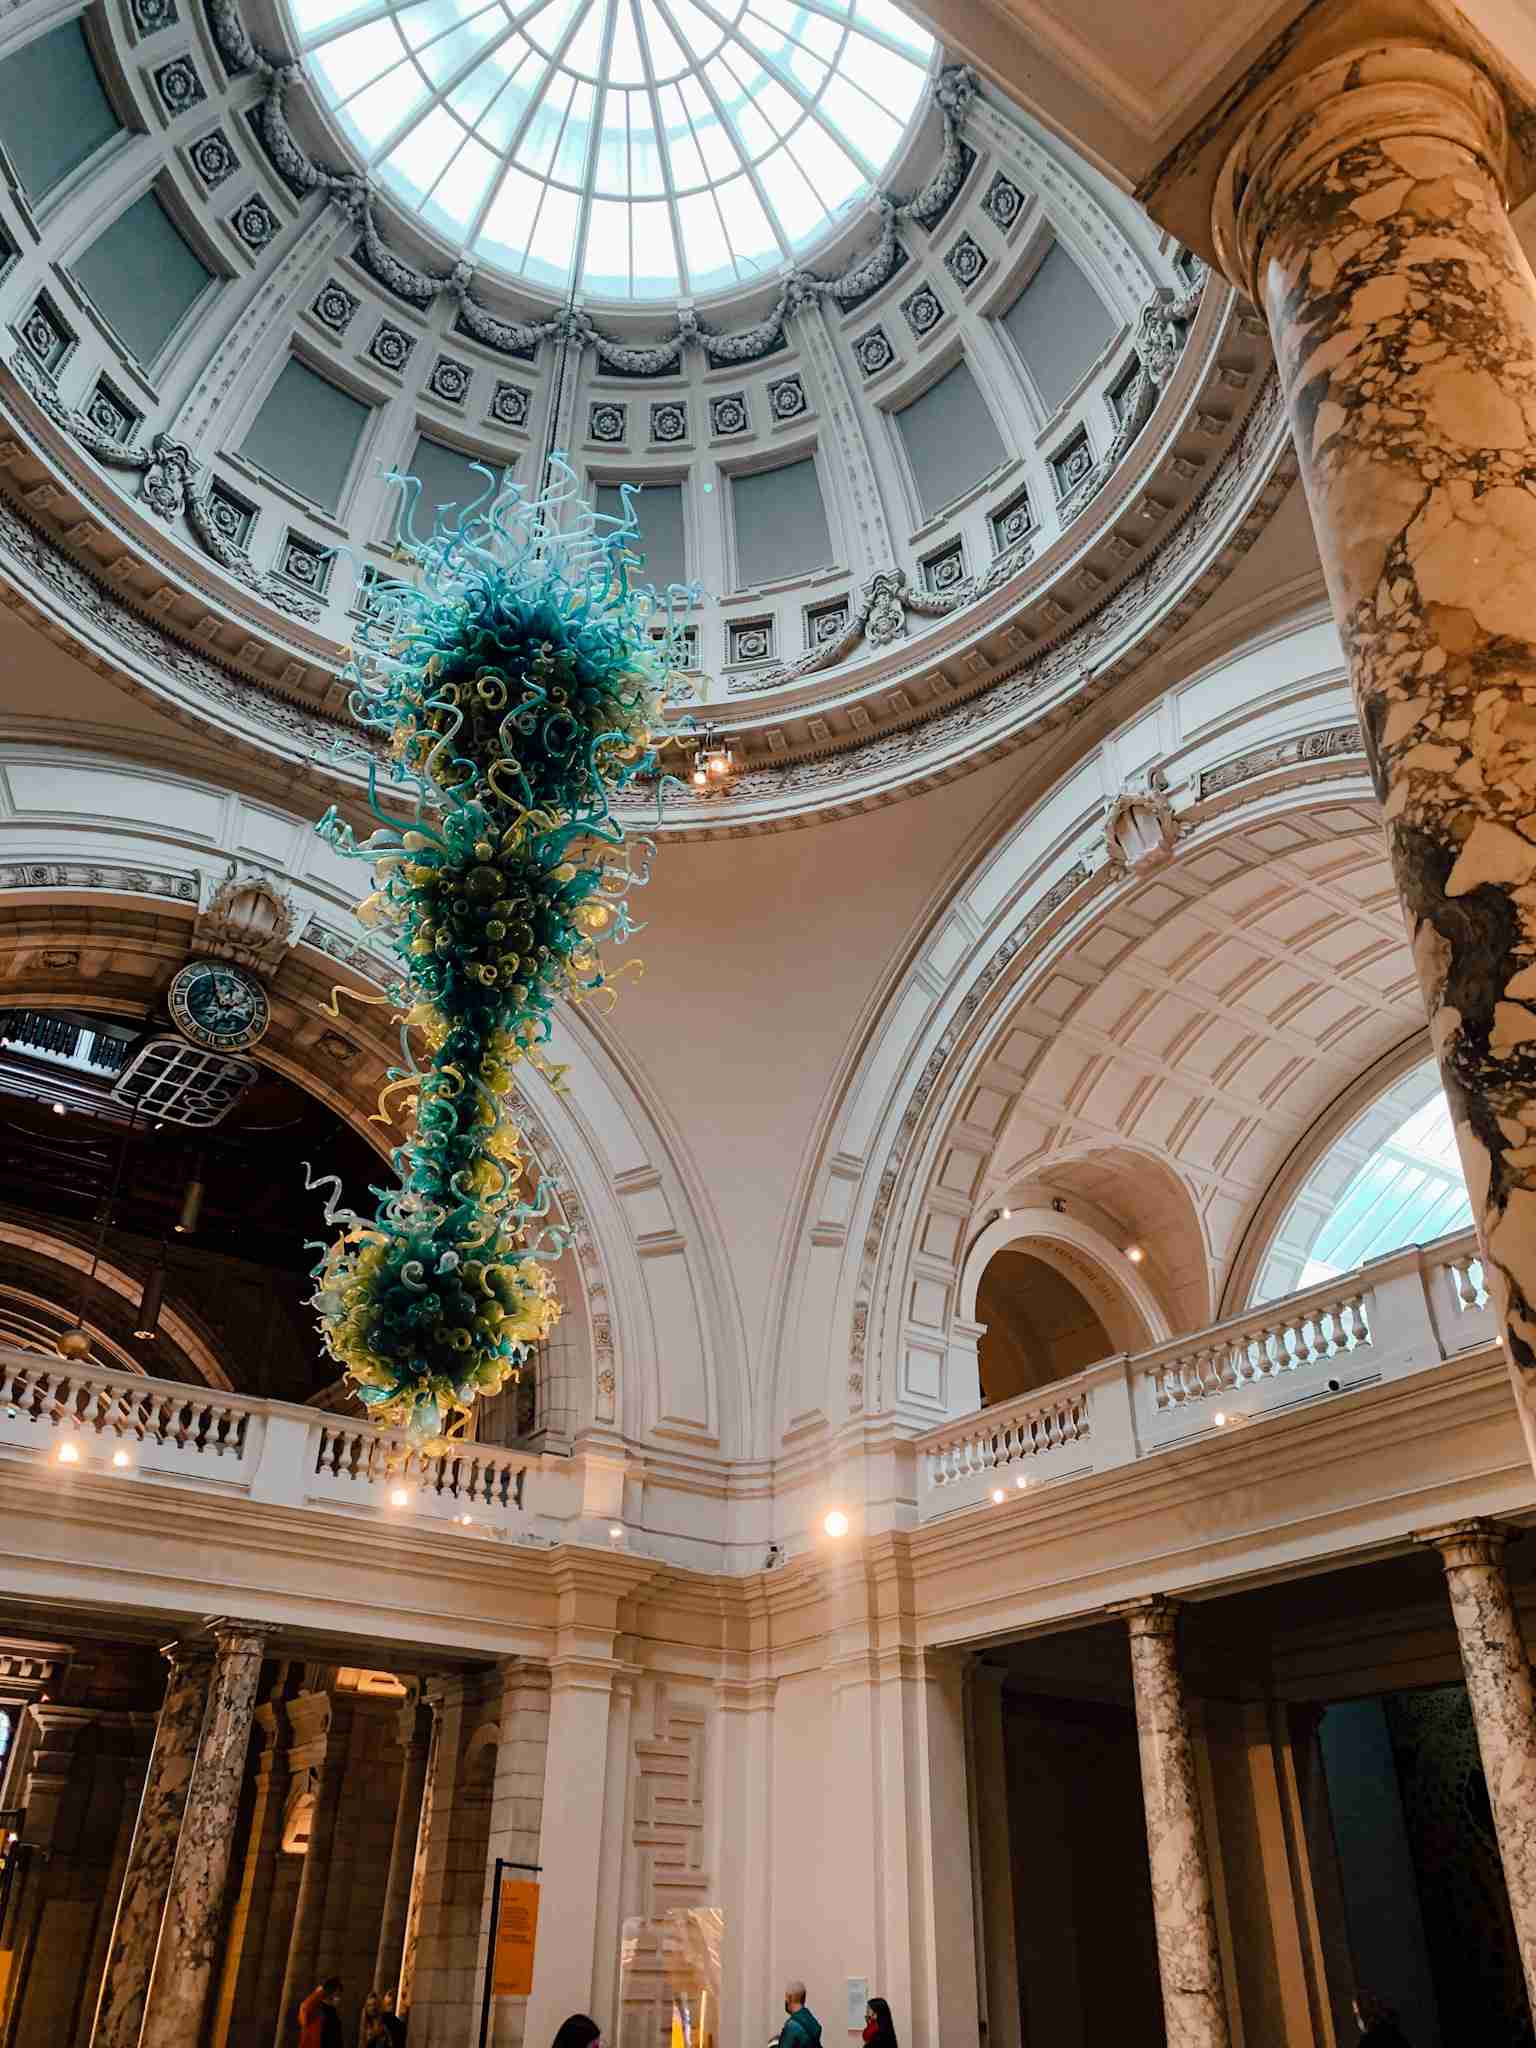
{"x": 1040, "y": 1326}
{"x": 1390, "y": 1179}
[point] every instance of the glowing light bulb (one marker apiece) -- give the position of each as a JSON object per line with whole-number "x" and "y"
{"x": 1135, "y": 1254}
{"x": 836, "y": 1523}
{"x": 399, "y": 1498}
{"x": 69, "y": 1454}
{"x": 1219, "y": 1418}
{"x": 122, "y": 1460}
{"x": 1021, "y": 1482}
{"x": 58, "y": 1109}
{"x": 1007, "y": 1213}
{"x": 699, "y": 778}
{"x": 998, "y": 1496}
{"x": 615, "y": 1534}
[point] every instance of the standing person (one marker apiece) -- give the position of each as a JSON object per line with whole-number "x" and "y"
{"x": 370, "y": 2031}
{"x": 1377, "y": 2022}
{"x": 319, "y": 2021}
{"x": 802, "y": 2029}
{"x": 879, "y": 2032}
{"x": 393, "y": 2026}
{"x": 579, "y": 2032}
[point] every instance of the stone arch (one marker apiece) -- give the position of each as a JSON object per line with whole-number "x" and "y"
{"x": 1258, "y": 758}
{"x": 98, "y": 912}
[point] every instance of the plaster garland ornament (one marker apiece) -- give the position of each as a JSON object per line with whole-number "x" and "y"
{"x": 880, "y": 615}
{"x": 515, "y": 681}
{"x": 953, "y": 92}
{"x": 167, "y": 485}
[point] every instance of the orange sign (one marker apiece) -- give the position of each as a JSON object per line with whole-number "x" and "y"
{"x": 517, "y": 1927}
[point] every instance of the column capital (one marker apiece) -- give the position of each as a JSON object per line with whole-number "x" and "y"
{"x": 1477, "y": 1540}
{"x": 1155, "y": 1614}
{"x": 237, "y": 1638}
{"x": 1384, "y": 93}
{"x": 183, "y": 1650}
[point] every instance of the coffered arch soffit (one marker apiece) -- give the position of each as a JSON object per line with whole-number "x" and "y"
{"x": 959, "y": 1088}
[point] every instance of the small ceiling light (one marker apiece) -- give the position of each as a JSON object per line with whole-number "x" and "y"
{"x": 122, "y": 1460}
{"x": 1220, "y": 1419}
{"x": 69, "y": 1454}
{"x": 58, "y": 1109}
{"x": 1007, "y": 1215}
{"x": 615, "y": 1534}
{"x": 1135, "y": 1254}
{"x": 399, "y": 1498}
{"x": 998, "y": 1496}
{"x": 1021, "y": 1482}
{"x": 148, "y": 1319}
{"x": 465, "y": 1521}
{"x": 836, "y": 1523}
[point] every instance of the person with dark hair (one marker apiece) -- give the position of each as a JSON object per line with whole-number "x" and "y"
{"x": 1377, "y": 2022}
{"x": 879, "y": 2029}
{"x": 579, "y": 2032}
{"x": 319, "y": 2021}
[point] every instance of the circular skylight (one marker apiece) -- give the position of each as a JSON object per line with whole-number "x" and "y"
{"x": 638, "y": 149}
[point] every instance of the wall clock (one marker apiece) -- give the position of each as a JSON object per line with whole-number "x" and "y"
{"x": 218, "y": 1005}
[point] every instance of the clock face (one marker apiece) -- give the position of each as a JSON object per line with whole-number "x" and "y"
{"x": 218, "y": 1005}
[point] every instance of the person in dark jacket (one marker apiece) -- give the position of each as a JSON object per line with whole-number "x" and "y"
{"x": 802, "y": 2029}
{"x": 1377, "y": 2023}
{"x": 879, "y": 2029}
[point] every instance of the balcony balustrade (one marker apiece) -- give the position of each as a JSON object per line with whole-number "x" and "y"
{"x": 1396, "y": 1316}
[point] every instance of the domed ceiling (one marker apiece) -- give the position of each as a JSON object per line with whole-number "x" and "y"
{"x": 638, "y": 149}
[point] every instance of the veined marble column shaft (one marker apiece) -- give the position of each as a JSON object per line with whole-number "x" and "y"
{"x": 147, "y": 1880}
{"x": 1498, "y": 1673}
{"x": 1188, "y": 1957}
{"x": 1364, "y": 209}
{"x": 189, "y": 1933}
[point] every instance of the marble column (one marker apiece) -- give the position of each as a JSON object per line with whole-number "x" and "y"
{"x": 189, "y": 1933}
{"x": 1498, "y": 1673}
{"x": 1188, "y": 1954}
{"x": 1363, "y": 208}
{"x": 415, "y": 1739}
{"x": 147, "y": 1881}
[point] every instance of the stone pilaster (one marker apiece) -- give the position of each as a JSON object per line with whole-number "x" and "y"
{"x": 1363, "y": 208}
{"x": 415, "y": 1740}
{"x": 322, "y": 1725}
{"x": 1188, "y": 1955}
{"x": 184, "y": 1960}
{"x": 1498, "y": 1672}
{"x": 147, "y": 1880}
{"x": 429, "y": 1791}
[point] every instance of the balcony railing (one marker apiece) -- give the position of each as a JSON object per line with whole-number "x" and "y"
{"x": 86, "y": 1417}
{"x": 1391, "y": 1318}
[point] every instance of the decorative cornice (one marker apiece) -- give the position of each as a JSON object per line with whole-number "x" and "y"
{"x": 952, "y": 93}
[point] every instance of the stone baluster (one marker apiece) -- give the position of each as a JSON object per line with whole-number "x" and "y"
{"x": 1363, "y": 207}
{"x": 147, "y": 1880}
{"x": 1188, "y": 1954}
{"x": 189, "y": 1933}
{"x": 1498, "y": 1673}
